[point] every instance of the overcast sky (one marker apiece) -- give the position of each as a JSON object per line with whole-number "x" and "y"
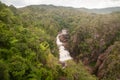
{"x": 70, "y": 3}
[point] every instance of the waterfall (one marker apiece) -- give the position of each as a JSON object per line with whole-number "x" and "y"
{"x": 64, "y": 54}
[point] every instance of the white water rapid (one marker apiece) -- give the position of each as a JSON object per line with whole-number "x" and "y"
{"x": 64, "y": 54}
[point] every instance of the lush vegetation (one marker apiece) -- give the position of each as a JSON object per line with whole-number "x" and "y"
{"x": 27, "y": 42}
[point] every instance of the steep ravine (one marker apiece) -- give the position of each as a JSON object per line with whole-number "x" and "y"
{"x": 62, "y": 42}
{"x": 98, "y": 63}
{"x": 94, "y": 62}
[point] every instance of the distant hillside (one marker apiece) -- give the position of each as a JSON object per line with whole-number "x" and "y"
{"x": 101, "y": 11}
{"x": 98, "y": 11}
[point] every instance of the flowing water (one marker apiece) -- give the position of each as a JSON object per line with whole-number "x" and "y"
{"x": 64, "y": 54}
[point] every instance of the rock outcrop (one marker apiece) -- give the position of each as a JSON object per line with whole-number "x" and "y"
{"x": 64, "y": 38}
{"x": 98, "y": 69}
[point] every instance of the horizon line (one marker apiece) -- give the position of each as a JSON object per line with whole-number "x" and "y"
{"x": 60, "y": 6}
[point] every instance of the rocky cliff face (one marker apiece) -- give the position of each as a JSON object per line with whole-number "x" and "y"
{"x": 100, "y": 61}
{"x": 64, "y": 38}
{"x": 108, "y": 65}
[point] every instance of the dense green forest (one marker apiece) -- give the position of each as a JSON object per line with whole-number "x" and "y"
{"x": 28, "y": 49}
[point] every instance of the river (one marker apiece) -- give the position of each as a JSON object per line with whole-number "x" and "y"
{"x": 64, "y": 54}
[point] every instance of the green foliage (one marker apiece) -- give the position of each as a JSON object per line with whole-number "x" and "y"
{"x": 27, "y": 42}
{"x": 18, "y": 67}
{"x": 4, "y": 75}
{"x": 44, "y": 45}
{"x": 77, "y": 72}
{"x": 112, "y": 69}
{"x": 4, "y": 52}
